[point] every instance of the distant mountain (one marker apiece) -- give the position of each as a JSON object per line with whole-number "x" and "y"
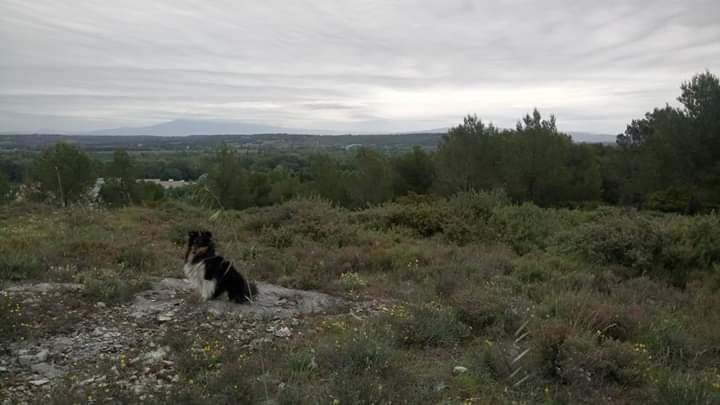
{"x": 185, "y": 127}
{"x": 208, "y": 127}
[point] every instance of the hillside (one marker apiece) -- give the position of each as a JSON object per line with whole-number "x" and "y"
{"x": 467, "y": 300}
{"x": 211, "y": 142}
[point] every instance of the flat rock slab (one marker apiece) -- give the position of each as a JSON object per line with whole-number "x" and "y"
{"x": 272, "y": 301}
{"x": 43, "y": 287}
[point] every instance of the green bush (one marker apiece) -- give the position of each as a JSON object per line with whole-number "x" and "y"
{"x": 19, "y": 265}
{"x": 137, "y": 258}
{"x": 108, "y": 287}
{"x": 14, "y": 318}
{"x": 429, "y": 326}
{"x": 687, "y": 389}
{"x": 669, "y": 248}
{"x": 584, "y": 362}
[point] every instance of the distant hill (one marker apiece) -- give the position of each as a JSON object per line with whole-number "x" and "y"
{"x": 209, "y": 127}
{"x": 206, "y": 134}
{"x": 208, "y": 142}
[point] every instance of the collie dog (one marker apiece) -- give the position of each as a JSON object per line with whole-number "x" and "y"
{"x": 211, "y": 274}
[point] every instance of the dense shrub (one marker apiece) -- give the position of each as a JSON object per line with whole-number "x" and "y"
{"x": 109, "y": 287}
{"x": 429, "y": 326}
{"x": 18, "y": 265}
{"x": 670, "y": 249}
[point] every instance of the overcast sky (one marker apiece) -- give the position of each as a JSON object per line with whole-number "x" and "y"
{"x": 78, "y": 65}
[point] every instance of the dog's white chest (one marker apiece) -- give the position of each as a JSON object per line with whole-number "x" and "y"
{"x": 196, "y": 274}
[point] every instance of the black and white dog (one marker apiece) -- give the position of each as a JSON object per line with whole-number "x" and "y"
{"x": 211, "y": 274}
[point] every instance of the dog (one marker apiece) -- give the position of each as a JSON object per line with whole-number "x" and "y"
{"x": 211, "y": 274}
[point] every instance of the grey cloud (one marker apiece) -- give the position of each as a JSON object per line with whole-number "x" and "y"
{"x": 364, "y": 65}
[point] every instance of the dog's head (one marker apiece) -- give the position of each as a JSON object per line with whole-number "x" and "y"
{"x": 200, "y": 242}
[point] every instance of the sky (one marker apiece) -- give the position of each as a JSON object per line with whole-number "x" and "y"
{"x": 378, "y": 65}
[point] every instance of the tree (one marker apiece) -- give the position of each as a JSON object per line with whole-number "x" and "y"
{"x": 415, "y": 172}
{"x": 327, "y": 180}
{"x": 469, "y": 157}
{"x": 228, "y": 181}
{"x": 536, "y": 158}
{"x": 121, "y": 187}
{"x": 63, "y": 172}
{"x": 670, "y": 157}
{"x": 372, "y": 181}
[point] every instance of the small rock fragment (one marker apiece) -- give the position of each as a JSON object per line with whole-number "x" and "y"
{"x": 165, "y": 317}
{"x": 457, "y": 370}
{"x": 39, "y": 382}
{"x": 156, "y": 355}
{"x": 48, "y": 370}
{"x": 283, "y": 332}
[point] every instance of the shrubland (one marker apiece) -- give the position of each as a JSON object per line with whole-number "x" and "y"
{"x": 548, "y": 305}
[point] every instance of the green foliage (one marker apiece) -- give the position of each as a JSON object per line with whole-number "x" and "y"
{"x": 416, "y": 172}
{"x": 5, "y": 189}
{"x": 13, "y": 318}
{"x": 18, "y": 265}
{"x": 122, "y": 186}
{"x": 428, "y": 326}
{"x": 63, "y": 172}
{"x": 687, "y": 389}
{"x": 372, "y": 181}
{"x": 228, "y": 181}
{"x": 672, "y": 150}
{"x": 670, "y": 250}
{"x": 109, "y": 287}
{"x": 467, "y": 157}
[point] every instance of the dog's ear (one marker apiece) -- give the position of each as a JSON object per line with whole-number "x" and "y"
{"x": 208, "y": 234}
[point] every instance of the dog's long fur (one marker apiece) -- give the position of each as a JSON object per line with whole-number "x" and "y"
{"x": 211, "y": 274}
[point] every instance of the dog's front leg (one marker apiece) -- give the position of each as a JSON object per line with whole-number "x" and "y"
{"x": 207, "y": 289}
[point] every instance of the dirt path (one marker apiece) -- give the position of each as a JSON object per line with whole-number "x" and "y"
{"x": 93, "y": 343}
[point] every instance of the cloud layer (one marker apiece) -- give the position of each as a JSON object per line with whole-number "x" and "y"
{"x": 364, "y": 65}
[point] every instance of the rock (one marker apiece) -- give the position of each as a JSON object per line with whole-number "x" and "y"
{"x": 86, "y": 382}
{"x": 48, "y": 370}
{"x": 44, "y": 287}
{"x": 100, "y": 304}
{"x": 156, "y": 355}
{"x": 27, "y": 359}
{"x": 440, "y": 387}
{"x": 165, "y": 317}
{"x": 457, "y": 370}
{"x": 283, "y": 332}
{"x": 39, "y": 382}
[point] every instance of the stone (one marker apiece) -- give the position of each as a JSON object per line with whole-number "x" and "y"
{"x": 283, "y": 332}
{"x": 457, "y": 370}
{"x": 39, "y": 382}
{"x": 47, "y": 370}
{"x": 29, "y": 359}
{"x": 156, "y": 355}
{"x": 164, "y": 318}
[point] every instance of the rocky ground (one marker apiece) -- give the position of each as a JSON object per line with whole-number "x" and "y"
{"x": 101, "y": 346}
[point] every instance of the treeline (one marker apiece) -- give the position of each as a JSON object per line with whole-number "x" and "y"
{"x": 669, "y": 160}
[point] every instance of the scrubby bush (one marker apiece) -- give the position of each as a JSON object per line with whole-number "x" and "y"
{"x": 669, "y": 249}
{"x": 675, "y": 388}
{"x": 429, "y": 326}
{"x": 18, "y": 265}
{"x": 109, "y": 287}
{"x": 584, "y": 362}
